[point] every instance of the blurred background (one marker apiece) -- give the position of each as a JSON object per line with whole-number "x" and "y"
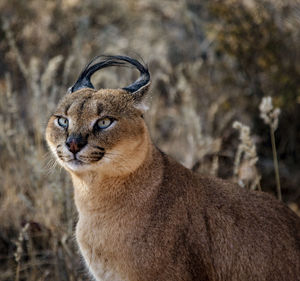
{"x": 211, "y": 62}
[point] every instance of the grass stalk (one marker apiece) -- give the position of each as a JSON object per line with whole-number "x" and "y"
{"x": 259, "y": 186}
{"x": 275, "y": 160}
{"x": 17, "y": 272}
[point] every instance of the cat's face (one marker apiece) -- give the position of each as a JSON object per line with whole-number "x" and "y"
{"x": 97, "y": 130}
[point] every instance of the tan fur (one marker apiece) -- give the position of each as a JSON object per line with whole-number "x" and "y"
{"x": 144, "y": 217}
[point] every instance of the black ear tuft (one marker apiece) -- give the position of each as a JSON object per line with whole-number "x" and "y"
{"x": 139, "y": 86}
{"x": 84, "y": 79}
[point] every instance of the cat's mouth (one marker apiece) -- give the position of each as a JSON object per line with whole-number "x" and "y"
{"x": 82, "y": 163}
{"x": 76, "y": 162}
{"x": 83, "y": 160}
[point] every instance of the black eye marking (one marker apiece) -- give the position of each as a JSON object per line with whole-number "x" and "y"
{"x": 84, "y": 102}
{"x": 99, "y": 108}
{"x": 81, "y": 106}
{"x": 67, "y": 108}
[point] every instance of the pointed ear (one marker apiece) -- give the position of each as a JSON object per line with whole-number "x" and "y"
{"x": 141, "y": 92}
{"x": 141, "y": 99}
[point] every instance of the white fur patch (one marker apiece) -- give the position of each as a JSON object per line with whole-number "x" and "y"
{"x": 142, "y": 106}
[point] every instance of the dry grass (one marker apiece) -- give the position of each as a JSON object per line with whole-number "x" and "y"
{"x": 206, "y": 72}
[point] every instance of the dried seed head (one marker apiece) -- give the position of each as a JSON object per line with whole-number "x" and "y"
{"x": 245, "y": 172}
{"x": 268, "y": 113}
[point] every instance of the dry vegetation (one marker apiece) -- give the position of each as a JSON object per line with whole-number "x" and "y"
{"x": 211, "y": 62}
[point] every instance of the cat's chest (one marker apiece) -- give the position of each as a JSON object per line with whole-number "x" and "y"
{"x": 102, "y": 246}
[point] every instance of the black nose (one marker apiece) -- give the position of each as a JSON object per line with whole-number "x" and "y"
{"x": 76, "y": 142}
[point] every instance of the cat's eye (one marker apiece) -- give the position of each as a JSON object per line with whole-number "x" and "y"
{"x": 63, "y": 122}
{"x": 104, "y": 123}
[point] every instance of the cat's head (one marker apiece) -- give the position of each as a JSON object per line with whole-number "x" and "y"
{"x": 101, "y": 130}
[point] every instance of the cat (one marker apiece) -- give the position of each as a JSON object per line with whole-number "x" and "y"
{"x": 145, "y": 217}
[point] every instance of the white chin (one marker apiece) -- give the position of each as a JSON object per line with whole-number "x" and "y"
{"x": 77, "y": 165}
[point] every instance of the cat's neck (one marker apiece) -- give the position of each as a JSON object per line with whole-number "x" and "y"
{"x": 98, "y": 193}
